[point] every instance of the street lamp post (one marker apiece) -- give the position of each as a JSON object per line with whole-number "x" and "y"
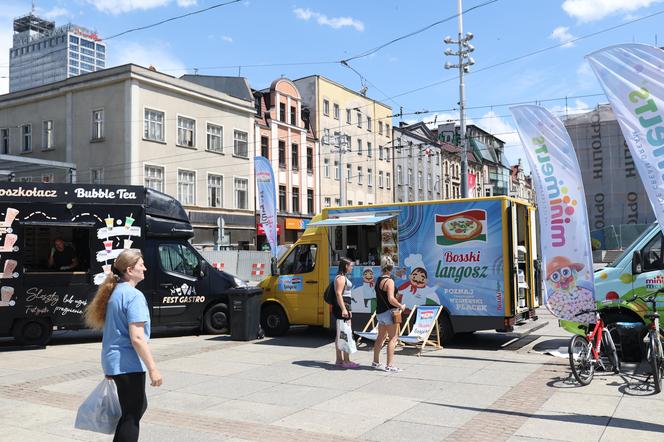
{"x": 465, "y": 61}
{"x": 341, "y": 144}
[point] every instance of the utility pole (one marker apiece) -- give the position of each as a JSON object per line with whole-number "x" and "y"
{"x": 465, "y": 61}
{"x": 341, "y": 144}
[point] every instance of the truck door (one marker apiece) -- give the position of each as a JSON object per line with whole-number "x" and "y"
{"x": 298, "y": 283}
{"x": 177, "y": 287}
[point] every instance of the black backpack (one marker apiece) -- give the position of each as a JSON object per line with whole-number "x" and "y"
{"x": 330, "y": 296}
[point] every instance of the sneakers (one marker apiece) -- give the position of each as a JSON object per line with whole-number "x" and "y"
{"x": 392, "y": 369}
{"x": 377, "y": 366}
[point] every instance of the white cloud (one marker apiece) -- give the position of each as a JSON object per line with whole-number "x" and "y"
{"x": 324, "y": 20}
{"x": 592, "y": 10}
{"x": 116, "y": 7}
{"x": 577, "y": 107}
{"x": 561, "y": 33}
{"x": 54, "y": 13}
{"x": 153, "y": 53}
{"x": 227, "y": 39}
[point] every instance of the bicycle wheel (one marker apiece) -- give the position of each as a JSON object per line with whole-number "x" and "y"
{"x": 580, "y": 359}
{"x": 655, "y": 363}
{"x": 609, "y": 350}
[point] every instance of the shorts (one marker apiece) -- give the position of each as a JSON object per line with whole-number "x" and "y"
{"x": 336, "y": 310}
{"x": 385, "y": 318}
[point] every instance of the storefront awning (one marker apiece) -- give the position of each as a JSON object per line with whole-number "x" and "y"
{"x": 363, "y": 220}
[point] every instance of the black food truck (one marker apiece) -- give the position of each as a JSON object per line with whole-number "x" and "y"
{"x": 58, "y": 242}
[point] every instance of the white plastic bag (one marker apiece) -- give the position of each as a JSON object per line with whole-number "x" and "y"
{"x": 345, "y": 341}
{"x": 101, "y": 411}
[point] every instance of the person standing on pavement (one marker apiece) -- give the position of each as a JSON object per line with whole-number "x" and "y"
{"x": 121, "y": 311}
{"x": 341, "y": 308}
{"x": 386, "y": 304}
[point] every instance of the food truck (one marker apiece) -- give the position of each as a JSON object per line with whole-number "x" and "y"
{"x": 93, "y": 224}
{"x": 478, "y": 258}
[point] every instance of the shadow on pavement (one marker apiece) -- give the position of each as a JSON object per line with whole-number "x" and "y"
{"x": 330, "y": 366}
{"x": 603, "y": 421}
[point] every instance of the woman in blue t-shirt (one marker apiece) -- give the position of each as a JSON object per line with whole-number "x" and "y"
{"x": 121, "y": 311}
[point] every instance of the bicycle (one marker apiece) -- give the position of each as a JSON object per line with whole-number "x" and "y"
{"x": 587, "y": 351}
{"x": 654, "y": 352}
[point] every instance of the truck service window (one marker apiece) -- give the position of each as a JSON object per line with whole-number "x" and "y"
{"x": 68, "y": 246}
{"x": 178, "y": 258}
{"x": 302, "y": 259}
{"x": 364, "y": 244}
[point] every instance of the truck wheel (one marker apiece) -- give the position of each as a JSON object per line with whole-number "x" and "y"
{"x": 33, "y": 331}
{"x": 215, "y": 321}
{"x": 446, "y": 330}
{"x": 274, "y": 320}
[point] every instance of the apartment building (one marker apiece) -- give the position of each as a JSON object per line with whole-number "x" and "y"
{"x": 131, "y": 125}
{"x": 354, "y": 132}
{"x": 284, "y": 136}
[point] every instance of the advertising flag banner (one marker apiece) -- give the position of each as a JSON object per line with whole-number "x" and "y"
{"x": 561, "y": 204}
{"x": 267, "y": 200}
{"x": 632, "y": 76}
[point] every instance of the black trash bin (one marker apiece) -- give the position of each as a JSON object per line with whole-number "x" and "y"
{"x": 245, "y": 313}
{"x": 630, "y": 342}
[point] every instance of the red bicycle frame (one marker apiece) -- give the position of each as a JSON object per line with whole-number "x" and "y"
{"x": 596, "y": 333}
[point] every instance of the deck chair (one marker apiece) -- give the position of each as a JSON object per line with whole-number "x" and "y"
{"x": 426, "y": 321}
{"x": 372, "y": 327}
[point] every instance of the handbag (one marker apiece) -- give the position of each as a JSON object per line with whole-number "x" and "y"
{"x": 396, "y": 316}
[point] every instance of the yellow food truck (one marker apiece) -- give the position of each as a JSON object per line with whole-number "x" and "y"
{"x": 478, "y": 258}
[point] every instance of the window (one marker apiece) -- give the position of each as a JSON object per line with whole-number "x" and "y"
{"x": 359, "y": 119}
{"x": 348, "y": 117}
{"x": 187, "y": 187}
{"x": 359, "y": 146}
{"x": 437, "y": 159}
{"x": 359, "y": 175}
{"x": 186, "y": 132}
{"x": 380, "y": 179}
{"x": 380, "y": 152}
{"x": 328, "y": 202}
{"x": 387, "y": 130}
{"x": 337, "y": 171}
{"x": 326, "y": 136}
{"x": 337, "y": 202}
{"x": 215, "y": 138}
{"x": 295, "y": 156}
{"x": 258, "y": 105}
{"x": 429, "y": 182}
{"x": 154, "y": 178}
{"x": 651, "y": 254}
{"x": 47, "y": 137}
{"x": 399, "y": 176}
{"x": 326, "y": 168}
{"x": 282, "y": 198}
{"x": 410, "y": 177}
{"x": 240, "y": 144}
{"x": 419, "y": 180}
{"x": 215, "y": 191}
{"x": 336, "y": 111}
{"x": 302, "y": 259}
{"x": 349, "y": 173}
{"x": 388, "y": 181}
{"x": 241, "y": 191}
{"x": 282, "y": 112}
{"x": 387, "y": 154}
{"x": 437, "y": 183}
{"x": 293, "y": 115}
{"x": 97, "y": 124}
{"x": 296, "y": 199}
{"x": 4, "y": 141}
{"x": 178, "y": 258}
{"x": 369, "y": 123}
{"x": 326, "y": 107}
{"x": 370, "y": 177}
{"x": 349, "y": 202}
{"x": 26, "y": 134}
{"x": 380, "y": 128}
{"x": 154, "y": 125}
{"x": 265, "y": 147}
{"x": 310, "y": 160}
{"x": 310, "y": 201}
{"x": 282, "y": 154}
{"x": 360, "y": 203}
{"x": 369, "y": 149}
{"x": 96, "y": 176}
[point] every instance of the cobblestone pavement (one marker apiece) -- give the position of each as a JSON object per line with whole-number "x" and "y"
{"x": 487, "y": 387}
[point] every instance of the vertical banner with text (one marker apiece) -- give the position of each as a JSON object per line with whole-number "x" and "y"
{"x": 267, "y": 200}
{"x": 632, "y": 76}
{"x": 561, "y": 206}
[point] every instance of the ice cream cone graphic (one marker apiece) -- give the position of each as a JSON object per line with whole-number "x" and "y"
{"x": 6, "y": 294}
{"x": 10, "y": 240}
{"x": 10, "y": 265}
{"x": 9, "y": 216}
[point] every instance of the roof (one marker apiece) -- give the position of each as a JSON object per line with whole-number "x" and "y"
{"x": 343, "y": 87}
{"x": 237, "y": 87}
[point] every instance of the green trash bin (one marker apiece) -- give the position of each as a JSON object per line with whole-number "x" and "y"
{"x": 245, "y": 313}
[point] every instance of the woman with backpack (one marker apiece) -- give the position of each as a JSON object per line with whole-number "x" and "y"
{"x": 341, "y": 307}
{"x": 386, "y": 306}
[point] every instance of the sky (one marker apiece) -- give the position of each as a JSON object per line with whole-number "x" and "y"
{"x": 305, "y": 37}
